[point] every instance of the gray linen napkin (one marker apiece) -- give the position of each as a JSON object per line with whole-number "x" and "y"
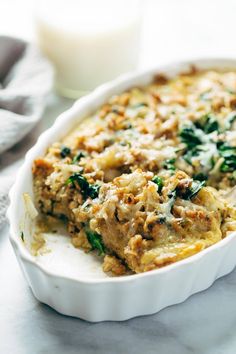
{"x": 5, "y": 184}
{"x": 25, "y": 80}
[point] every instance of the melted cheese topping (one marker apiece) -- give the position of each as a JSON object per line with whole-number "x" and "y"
{"x": 147, "y": 178}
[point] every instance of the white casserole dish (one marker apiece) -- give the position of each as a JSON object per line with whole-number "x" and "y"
{"x": 96, "y": 297}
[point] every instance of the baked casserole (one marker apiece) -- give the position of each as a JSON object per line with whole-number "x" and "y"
{"x": 148, "y": 179}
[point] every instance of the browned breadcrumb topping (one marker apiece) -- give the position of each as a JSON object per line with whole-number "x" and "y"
{"x": 148, "y": 179}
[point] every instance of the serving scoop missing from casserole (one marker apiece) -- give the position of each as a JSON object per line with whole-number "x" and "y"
{"x": 145, "y": 181}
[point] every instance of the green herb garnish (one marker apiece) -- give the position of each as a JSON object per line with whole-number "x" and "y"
{"x": 65, "y": 151}
{"x": 140, "y": 104}
{"x": 129, "y": 126}
{"x": 191, "y": 136}
{"x": 125, "y": 143}
{"x": 204, "y": 153}
{"x": 199, "y": 143}
{"x": 230, "y": 120}
{"x": 159, "y": 182}
{"x": 170, "y": 164}
{"x": 78, "y": 157}
{"x": 86, "y": 189}
{"x": 208, "y": 124}
{"x": 229, "y": 154}
{"x": 200, "y": 177}
{"x": 161, "y": 220}
{"x": 190, "y": 192}
{"x": 63, "y": 218}
{"x": 95, "y": 241}
{"x": 190, "y": 154}
{"x": 22, "y": 236}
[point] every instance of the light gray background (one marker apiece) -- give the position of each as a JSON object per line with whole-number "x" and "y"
{"x": 205, "y": 323}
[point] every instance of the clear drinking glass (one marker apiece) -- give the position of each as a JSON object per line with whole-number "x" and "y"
{"x": 89, "y": 42}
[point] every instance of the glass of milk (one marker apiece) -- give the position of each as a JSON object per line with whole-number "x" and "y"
{"x": 89, "y": 42}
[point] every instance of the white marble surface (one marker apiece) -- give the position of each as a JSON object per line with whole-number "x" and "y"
{"x": 205, "y": 323}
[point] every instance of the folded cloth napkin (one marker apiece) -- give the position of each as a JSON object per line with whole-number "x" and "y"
{"x": 25, "y": 80}
{"x": 5, "y": 184}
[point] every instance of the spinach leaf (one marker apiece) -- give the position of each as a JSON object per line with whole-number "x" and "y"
{"x": 140, "y": 104}
{"x": 86, "y": 189}
{"x": 93, "y": 190}
{"x": 190, "y": 154}
{"x": 95, "y": 241}
{"x": 198, "y": 143}
{"x": 200, "y": 177}
{"x": 193, "y": 138}
{"x": 78, "y": 157}
{"x": 170, "y": 164}
{"x": 190, "y": 136}
{"x": 22, "y": 236}
{"x": 185, "y": 193}
{"x": 195, "y": 188}
{"x": 196, "y": 134}
{"x": 229, "y": 154}
{"x": 204, "y": 154}
{"x": 208, "y": 124}
{"x": 159, "y": 181}
{"x": 230, "y": 120}
{"x": 190, "y": 192}
{"x": 65, "y": 151}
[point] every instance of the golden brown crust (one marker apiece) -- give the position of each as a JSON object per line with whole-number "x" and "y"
{"x": 115, "y": 155}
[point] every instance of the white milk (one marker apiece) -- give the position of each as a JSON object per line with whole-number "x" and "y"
{"x": 89, "y": 41}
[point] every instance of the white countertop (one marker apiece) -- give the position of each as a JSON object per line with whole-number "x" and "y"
{"x": 205, "y": 323}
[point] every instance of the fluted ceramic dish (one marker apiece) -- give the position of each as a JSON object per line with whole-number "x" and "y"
{"x": 71, "y": 281}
